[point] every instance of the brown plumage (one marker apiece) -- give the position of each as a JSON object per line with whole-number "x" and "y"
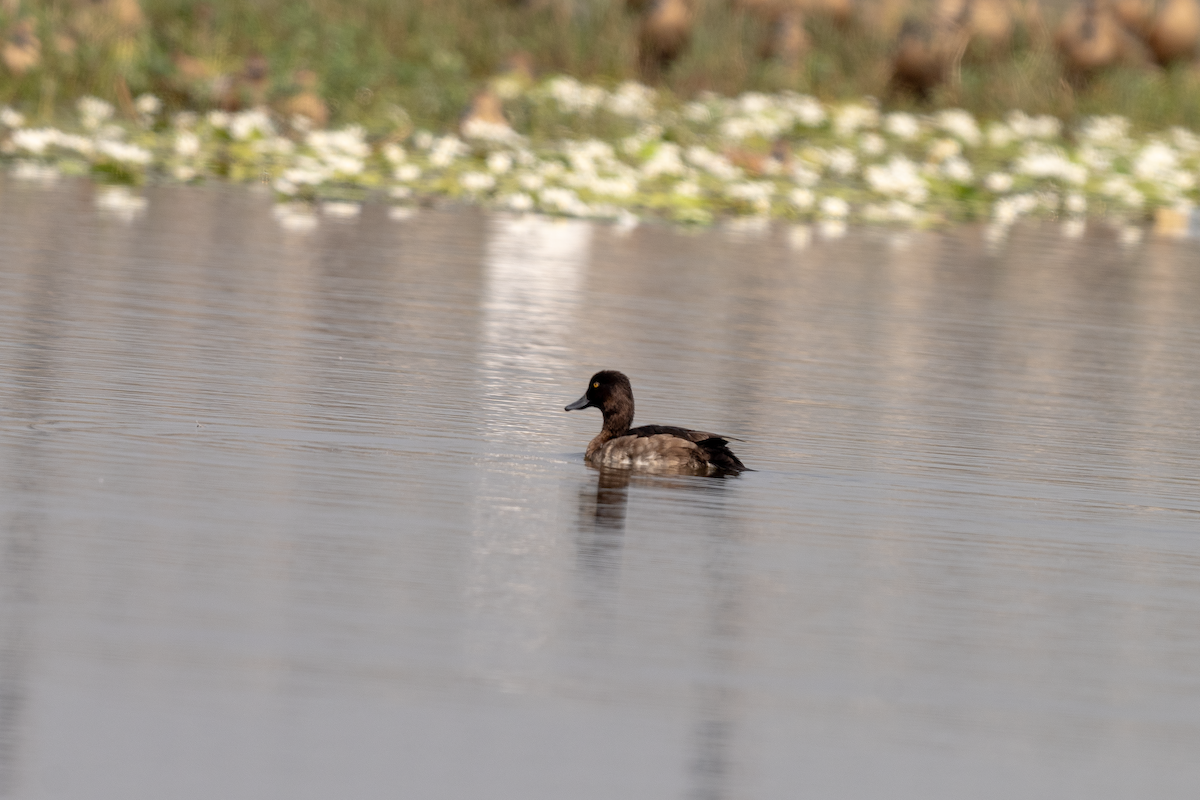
{"x": 664, "y": 34}
{"x": 925, "y": 54}
{"x": 22, "y": 50}
{"x": 1090, "y": 38}
{"x": 787, "y": 38}
{"x": 306, "y": 104}
{"x": 1174, "y": 31}
{"x": 989, "y": 24}
{"x": 655, "y": 448}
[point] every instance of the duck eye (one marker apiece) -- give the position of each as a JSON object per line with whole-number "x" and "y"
{"x": 596, "y": 385}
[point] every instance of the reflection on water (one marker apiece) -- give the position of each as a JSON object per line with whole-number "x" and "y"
{"x": 301, "y": 515}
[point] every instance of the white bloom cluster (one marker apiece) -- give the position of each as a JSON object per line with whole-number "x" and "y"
{"x": 900, "y": 177}
{"x": 1041, "y": 161}
{"x": 247, "y": 124}
{"x": 124, "y": 153}
{"x": 756, "y": 154}
{"x": 93, "y": 112}
{"x": 11, "y": 118}
{"x": 573, "y": 96}
{"x": 960, "y": 124}
{"x": 633, "y": 100}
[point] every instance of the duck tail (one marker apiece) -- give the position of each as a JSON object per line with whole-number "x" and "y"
{"x": 721, "y": 457}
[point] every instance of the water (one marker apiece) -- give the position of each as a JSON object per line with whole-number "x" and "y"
{"x": 300, "y": 515}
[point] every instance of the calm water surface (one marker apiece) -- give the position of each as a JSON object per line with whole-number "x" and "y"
{"x": 297, "y": 516}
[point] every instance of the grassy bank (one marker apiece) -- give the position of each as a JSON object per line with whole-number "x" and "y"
{"x": 329, "y": 103}
{"x": 366, "y": 58}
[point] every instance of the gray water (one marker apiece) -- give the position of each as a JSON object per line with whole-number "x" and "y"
{"x": 299, "y": 515}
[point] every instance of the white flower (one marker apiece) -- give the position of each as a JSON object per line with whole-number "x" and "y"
{"x": 147, "y": 105}
{"x": 687, "y": 189}
{"x": 394, "y": 153}
{"x": 531, "y": 181}
{"x": 187, "y": 144}
{"x": 407, "y": 173}
{"x": 872, "y": 144}
{"x": 1000, "y": 135}
{"x": 756, "y": 193}
{"x": 851, "y": 118}
{"x": 898, "y": 178}
{"x": 943, "y": 149}
{"x": 246, "y": 124}
{"x": 572, "y": 96}
{"x": 902, "y": 125}
{"x": 961, "y": 124}
{"x": 564, "y": 201}
{"x": 900, "y": 211}
{"x": 1038, "y": 161}
{"x": 124, "y": 153}
{"x": 632, "y": 100}
{"x": 803, "y": 199}
{"x": 476, "y": 181}
{"x": 1026, "y": 127}
{"x": 11, "y": 118}
{"x": 1155, "y": 162}
{"x": 476, "y": 128}
{"x": 1185, "y": 140}
{"x": 445, "y": 150}
{"x": 1119, "y": 188}
{"x": 834, "y": 208}
{"x": 93, "y": 112}
{"x": 499, "y": 162}
{"x": 666, "y": 160}
{"x": 697, "y": 113}
{"x": 998, "y": 182}
{"x": 1106, "y": 131}
{"x": 803, "y": 176}
{"x": 218, "y": 119}
{"x": 35, "y": 140}
{"x": 958, "y": 170}
{"x": 841, "y": 161}
{"x": 715, "y": 164}
{"x": 1075, "y": 203}
{"x": 807, "y": 110}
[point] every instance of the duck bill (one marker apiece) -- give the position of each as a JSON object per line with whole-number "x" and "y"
{"x": 578, "y": 404}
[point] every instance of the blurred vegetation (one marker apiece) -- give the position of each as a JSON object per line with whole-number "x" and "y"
{"x": 378, "y": 62}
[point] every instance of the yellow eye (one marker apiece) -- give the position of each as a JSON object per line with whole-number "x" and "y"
{"x": 596, "y": 385}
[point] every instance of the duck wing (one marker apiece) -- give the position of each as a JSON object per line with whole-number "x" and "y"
{"x": 715, "y": 448}
{"x": 671, "y": 430}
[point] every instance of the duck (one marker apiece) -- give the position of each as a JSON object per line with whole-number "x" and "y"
{"x": 663, "y": 448}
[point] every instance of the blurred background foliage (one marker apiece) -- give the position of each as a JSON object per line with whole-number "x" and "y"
{"x": 420, "y": 62}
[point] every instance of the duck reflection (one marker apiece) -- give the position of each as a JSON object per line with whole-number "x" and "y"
{"x": 602, "y": 521}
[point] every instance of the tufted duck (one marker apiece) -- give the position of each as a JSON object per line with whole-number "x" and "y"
{"x": 651, "y": 447}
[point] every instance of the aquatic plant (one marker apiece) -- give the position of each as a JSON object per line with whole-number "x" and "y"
{"x": 783, "y": 156}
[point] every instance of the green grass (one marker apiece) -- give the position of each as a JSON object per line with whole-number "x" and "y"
{"x": 430, "y": 56}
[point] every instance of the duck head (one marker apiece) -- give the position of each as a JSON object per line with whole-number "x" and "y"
{"x": 609, "y": 391}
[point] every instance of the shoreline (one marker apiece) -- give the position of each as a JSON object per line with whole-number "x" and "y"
{"x": 783, "y": 156}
